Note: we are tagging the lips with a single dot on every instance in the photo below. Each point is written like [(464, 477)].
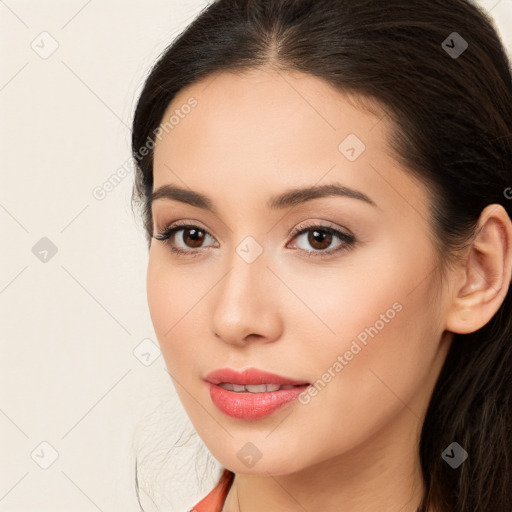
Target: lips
[(252, 394), (251, 376)]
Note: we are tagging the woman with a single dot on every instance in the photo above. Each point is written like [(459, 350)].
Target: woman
[(326, 192)]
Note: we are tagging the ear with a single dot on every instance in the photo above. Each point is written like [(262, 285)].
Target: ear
[(482, 280)]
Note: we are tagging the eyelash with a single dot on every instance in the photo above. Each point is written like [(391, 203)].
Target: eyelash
[(348, 240)]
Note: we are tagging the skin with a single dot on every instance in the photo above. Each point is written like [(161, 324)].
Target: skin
[(353, 447)]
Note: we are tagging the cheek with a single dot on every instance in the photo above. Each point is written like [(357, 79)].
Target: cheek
[(166, 305), (171, 299), (175, 296), (159, 289), (380, 332), (375, 305), (381, 296)]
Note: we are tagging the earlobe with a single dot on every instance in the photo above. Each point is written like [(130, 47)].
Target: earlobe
[(484, 276)]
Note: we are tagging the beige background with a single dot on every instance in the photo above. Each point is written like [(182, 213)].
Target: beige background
[(82, 379)]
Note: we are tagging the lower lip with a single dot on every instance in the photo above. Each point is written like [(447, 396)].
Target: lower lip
[(252, 406)]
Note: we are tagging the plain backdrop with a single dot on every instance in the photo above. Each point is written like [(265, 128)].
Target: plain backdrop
[(83, 386)]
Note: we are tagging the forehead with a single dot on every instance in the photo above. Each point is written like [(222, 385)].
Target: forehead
[(244, 114), (264, 131)]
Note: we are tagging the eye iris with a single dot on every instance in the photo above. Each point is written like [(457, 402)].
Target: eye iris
[(316, 237), (196, 235)]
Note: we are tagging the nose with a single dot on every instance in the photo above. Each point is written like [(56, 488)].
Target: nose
[(245, 307)]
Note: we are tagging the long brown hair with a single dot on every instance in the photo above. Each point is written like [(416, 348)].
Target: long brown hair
[(441, 72)]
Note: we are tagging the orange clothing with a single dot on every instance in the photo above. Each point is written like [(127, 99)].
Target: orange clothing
[(214, 501)]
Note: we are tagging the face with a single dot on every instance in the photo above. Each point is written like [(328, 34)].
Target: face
[(338, 290)]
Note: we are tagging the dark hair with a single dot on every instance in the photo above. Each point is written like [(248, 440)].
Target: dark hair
[(451, 116)]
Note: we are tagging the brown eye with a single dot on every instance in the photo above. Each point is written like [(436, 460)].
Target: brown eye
[(188, 243), (319, 239), (196, 237)]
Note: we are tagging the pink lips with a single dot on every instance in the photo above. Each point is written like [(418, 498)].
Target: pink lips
[(251, 405)]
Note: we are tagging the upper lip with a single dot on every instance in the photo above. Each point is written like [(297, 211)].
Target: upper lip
[(250, 376)]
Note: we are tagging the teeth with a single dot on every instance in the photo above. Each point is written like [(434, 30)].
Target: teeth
[(257, 388), (253, 388)]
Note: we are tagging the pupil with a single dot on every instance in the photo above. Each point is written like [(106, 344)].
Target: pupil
[(319, 237), (196, 237)]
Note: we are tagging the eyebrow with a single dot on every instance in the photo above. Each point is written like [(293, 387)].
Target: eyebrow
[(289, 198)]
